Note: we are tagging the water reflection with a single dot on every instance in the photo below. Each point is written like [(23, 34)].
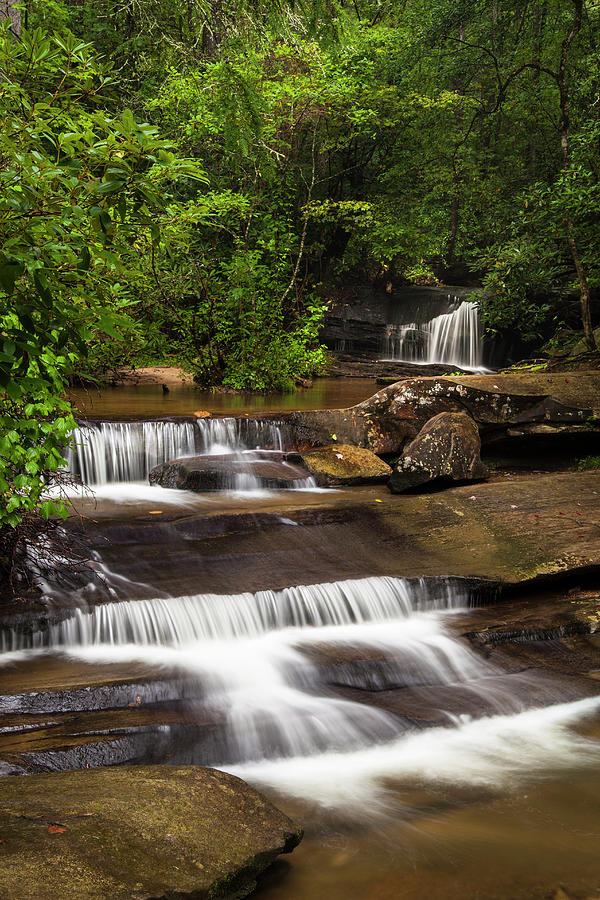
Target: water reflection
[(185, 399)]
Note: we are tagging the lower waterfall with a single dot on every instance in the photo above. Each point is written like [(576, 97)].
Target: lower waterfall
[(282, 676)]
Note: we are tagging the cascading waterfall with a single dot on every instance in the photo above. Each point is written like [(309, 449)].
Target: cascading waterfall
[(104, 453), (453, 338), (109, 452), (266, 664), (177, 620)]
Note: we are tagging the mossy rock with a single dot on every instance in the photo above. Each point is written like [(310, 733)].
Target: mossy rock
[(447, 448), (140, 832), (345, 464)]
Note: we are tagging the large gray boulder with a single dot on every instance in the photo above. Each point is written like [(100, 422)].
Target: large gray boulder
[(448, 447), (227, 471), (142, 832)]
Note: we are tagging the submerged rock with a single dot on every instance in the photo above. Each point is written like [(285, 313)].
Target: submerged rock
[(140, 832), (345, 464), (447, 447), (255, 469)]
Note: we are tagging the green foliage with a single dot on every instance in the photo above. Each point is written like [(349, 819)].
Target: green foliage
[(78, 190), (341, 142), (588, 462), (348, 142)]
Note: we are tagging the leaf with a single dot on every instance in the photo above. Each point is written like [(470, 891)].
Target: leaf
[(83, 263), (57, 829), (9, 272), (105, 221)]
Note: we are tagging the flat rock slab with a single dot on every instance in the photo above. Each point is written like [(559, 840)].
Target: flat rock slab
[(511, 529), (345, 464), (141, 832)]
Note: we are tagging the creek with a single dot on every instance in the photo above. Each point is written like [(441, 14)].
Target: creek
[(420, 765)]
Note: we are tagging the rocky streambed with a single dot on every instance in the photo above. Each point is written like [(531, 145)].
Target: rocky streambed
[(390, 669)]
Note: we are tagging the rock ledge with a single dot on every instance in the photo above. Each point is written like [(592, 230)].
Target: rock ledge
[(142, 832)]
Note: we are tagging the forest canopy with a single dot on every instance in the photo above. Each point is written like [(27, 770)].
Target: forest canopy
[(191, 180)]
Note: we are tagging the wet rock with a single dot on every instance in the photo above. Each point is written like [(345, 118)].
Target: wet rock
[(227, 471), (448, 447), (582, 347), (137, 832), (345, 464), (500, 404)]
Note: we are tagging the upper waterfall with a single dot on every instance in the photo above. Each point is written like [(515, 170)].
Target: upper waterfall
[(453, 338)]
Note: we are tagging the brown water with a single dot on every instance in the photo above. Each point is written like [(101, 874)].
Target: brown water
[(183, 400), (526, 845)]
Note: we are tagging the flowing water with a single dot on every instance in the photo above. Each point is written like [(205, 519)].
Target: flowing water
[(114, 453), (419, 766), (454, 338)]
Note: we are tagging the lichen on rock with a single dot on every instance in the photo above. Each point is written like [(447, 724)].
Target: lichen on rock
[(447, 447)]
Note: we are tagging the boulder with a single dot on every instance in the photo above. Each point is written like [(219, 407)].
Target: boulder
[(142, 832), (447, 447), (345, 464), (582, 347), (391, 418), (267, 469)]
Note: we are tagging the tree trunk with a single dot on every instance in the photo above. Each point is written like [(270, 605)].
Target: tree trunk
[(534, 109), (9, 11), (454, 223), (565, 126)]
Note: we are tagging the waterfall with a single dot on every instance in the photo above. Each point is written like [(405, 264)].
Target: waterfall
[(330, 691), (178, 620), (453, 338), (126, 451), (251, 653), (109, 452)]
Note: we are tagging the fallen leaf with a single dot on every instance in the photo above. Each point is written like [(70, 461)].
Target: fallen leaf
[(155, 512), (57, 829), (378, 501)]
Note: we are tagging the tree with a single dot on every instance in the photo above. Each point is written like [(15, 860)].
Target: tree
[(78, 190), (9, 10)]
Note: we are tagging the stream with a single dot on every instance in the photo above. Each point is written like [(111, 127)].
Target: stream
[(419, 765)]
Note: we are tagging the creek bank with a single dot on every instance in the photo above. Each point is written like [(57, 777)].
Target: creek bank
[(167, 375), (143, 832)]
